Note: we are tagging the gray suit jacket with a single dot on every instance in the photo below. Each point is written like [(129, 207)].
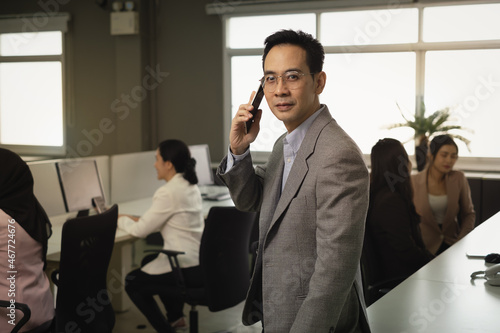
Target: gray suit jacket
[(307, 277)]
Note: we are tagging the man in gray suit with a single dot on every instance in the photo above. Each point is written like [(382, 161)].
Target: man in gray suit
[(312, 196)]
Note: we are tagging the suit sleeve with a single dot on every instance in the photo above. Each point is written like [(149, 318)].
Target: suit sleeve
[(244, 183)]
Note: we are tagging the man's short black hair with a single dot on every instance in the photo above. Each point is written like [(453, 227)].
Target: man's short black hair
[(315, 54)]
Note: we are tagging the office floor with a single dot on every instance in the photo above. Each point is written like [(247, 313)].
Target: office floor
[(226, 321), (209, 322)]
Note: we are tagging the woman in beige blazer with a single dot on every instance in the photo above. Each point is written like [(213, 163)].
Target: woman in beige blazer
[(442, 197)]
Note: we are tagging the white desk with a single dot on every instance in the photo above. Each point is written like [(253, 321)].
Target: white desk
[(121, 259), (441, 297)]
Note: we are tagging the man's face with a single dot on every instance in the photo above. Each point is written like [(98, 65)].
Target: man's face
[(292, 106)]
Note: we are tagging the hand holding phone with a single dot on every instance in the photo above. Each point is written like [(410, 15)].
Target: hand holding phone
[(255, 103)]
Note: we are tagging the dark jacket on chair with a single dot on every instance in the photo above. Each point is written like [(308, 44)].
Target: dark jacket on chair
[(393, 228)]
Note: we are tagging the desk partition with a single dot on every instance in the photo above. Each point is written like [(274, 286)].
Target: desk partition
[(47, 188), (133, 176), (124, 177), (485, 192)]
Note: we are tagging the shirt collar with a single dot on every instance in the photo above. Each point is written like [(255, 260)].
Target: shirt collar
[(295, 138)]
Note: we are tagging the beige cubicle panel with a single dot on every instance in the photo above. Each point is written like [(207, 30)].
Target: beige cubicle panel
[(46, 187), (133, 176), (48, 190)]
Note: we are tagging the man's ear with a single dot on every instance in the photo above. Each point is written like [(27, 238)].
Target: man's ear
[(320, 82)]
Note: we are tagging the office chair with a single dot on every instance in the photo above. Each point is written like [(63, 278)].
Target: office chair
[(83, 303), (19, 306), (374, 286), (224, 263)]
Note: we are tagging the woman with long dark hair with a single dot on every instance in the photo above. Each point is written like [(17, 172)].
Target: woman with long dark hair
[(176, 212), (392, 222), (24, 231), (442, 197)]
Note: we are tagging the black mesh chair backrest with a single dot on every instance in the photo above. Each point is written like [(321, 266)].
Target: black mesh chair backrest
[(83, 303), (224, 257), (375, 283), (370, 265)]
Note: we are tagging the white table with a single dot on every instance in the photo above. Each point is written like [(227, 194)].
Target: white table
[(121, 259), (441, 297)]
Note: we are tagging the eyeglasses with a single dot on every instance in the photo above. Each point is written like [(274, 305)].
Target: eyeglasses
[(292, 79)]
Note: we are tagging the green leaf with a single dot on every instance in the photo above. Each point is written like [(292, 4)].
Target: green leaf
[(437, 122)]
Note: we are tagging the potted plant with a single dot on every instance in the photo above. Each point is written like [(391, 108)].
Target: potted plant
[(425, 127)]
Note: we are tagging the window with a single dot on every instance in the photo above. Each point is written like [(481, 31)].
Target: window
[(356, 94), (379, 60), (250, 32), (461, 23), (468, 81), (32, 84), (369, 27)]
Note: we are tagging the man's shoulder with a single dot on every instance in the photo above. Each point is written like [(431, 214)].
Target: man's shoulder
[(333, 135), (329, 125)]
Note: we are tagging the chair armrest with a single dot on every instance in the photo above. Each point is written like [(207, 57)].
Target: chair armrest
[(387, 285), (25, 309), (254, 247), (167, 252), (174, 264), (374, 292)]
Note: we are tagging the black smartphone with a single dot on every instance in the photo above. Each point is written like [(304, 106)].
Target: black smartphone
[(255, 103)]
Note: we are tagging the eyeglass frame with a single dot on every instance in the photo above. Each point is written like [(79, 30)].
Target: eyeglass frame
[(263, 82)]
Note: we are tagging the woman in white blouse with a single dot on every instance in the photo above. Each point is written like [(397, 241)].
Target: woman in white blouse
[(176, 212)]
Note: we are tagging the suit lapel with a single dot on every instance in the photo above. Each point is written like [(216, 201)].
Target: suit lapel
[(274, 175), (300, 168)]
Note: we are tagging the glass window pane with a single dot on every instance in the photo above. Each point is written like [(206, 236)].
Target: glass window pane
[(245, 75), (31, 103), (468, 82), (461, 23), (362, 92), (31, 43), (251, 31), (368, 27)]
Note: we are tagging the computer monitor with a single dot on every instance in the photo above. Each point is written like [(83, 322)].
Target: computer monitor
[(80, 185), (201, 154)]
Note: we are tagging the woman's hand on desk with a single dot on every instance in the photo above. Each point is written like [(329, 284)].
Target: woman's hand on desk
[(132, 217)]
